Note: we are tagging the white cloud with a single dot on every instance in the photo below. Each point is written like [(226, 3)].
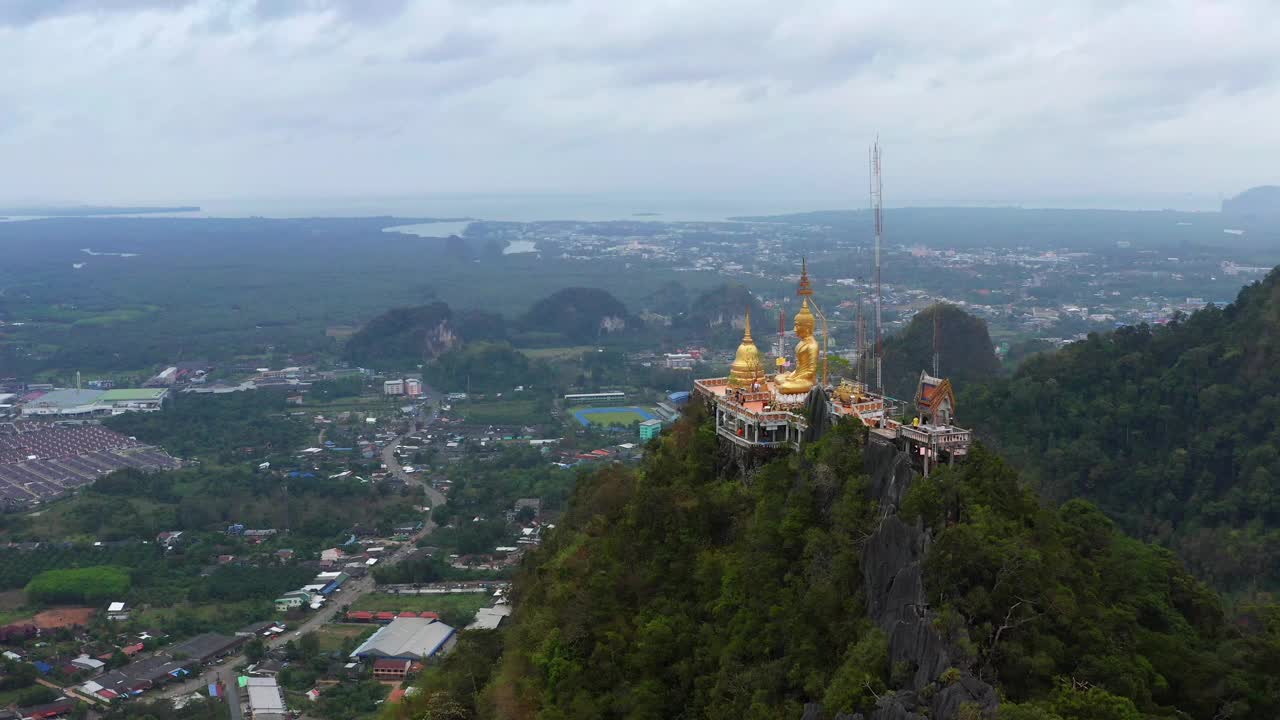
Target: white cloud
[(133, 101)]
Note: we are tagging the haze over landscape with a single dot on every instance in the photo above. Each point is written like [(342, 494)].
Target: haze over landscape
[(572, 359)]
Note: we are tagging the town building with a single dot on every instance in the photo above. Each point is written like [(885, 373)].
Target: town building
[(650, 429), (595, 398), (55, 709), (393, 387), (679, 361), (490, 618), (76, 403), (266, 702), (125, 400), (391, 669), (408, 639), (206, 648), (93, 666), (117, 611), (293, 599), (412, 387)]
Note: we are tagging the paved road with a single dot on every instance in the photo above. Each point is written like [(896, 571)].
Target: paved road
[(348, 594)]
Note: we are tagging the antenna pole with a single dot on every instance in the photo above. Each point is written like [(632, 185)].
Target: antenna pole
[(877, 205), (937, 342), (858, 342)]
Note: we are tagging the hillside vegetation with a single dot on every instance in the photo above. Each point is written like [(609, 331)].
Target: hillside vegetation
[(409, 336), (965, 350), (1172, 430), (579, 315), (671, 592)]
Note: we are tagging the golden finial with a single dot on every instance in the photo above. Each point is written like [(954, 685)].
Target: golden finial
[(805, 288), (746, 337)]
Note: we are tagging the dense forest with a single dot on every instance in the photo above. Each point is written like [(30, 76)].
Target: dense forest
[(227, 428), (130, 503), (1173, 430), (578, 315), (670, 591), (484, 367), (405, 337), (964, 349)]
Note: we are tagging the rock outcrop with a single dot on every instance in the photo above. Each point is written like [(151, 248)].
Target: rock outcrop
[(936, 683), (939, 683)]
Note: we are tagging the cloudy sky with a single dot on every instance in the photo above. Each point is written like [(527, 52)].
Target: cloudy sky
[(123, 101)]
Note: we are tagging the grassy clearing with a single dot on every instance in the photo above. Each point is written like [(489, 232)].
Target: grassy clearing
[(10, 616), (604, 418), (225, 616), (333, 636), (467, 603), (556, 353), (503, 412)]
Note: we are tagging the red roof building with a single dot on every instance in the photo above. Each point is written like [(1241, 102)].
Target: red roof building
[(390, 669)]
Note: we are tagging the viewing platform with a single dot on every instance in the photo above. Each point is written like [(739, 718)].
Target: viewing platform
[(761, 417), (756, 410)]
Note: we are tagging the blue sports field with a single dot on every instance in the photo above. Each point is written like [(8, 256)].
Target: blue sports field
[(610, 415)]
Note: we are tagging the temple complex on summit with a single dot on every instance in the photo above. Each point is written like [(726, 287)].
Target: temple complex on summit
[(757, 413)]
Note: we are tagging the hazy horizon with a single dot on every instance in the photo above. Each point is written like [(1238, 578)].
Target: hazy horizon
[(755, 106), (597, 206)]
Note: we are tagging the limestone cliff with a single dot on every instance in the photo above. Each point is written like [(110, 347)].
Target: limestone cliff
[(934, 683)]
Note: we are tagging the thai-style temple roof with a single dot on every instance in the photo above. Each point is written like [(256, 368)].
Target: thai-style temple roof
[(758, 411)]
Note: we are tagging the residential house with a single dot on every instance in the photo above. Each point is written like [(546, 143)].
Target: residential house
[(293, 599), (117, 611)]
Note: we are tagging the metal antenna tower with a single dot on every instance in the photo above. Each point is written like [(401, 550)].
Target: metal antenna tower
[(937, 342), (877, 206), (861, 344)]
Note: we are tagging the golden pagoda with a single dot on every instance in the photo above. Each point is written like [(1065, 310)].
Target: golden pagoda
[(746, 369)]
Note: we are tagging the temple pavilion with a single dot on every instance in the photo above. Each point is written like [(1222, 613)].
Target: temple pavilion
[(757, 413)]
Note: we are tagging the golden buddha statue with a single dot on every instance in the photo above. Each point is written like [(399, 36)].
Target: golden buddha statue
[(805, 375), (746, 369)]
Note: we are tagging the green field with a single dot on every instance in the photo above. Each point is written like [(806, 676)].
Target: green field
[(224, 616), (610, 418), (467, 603), (503, 412), (9, 616), (334, 635), (556, 353)]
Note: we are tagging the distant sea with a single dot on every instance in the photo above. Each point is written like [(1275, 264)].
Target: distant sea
[(510, 207), (636, 207)]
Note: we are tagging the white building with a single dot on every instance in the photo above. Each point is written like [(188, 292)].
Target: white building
[(408, 639), (490, 618), (393, 387), (117, 611), (679, 361), (412, 387), (266, 702)]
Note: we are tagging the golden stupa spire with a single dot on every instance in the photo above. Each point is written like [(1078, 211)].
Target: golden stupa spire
[(805, 289), (746, 369)]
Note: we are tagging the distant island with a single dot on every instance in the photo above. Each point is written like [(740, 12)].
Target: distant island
[(87, 210), (645, 214), (1261, 200)]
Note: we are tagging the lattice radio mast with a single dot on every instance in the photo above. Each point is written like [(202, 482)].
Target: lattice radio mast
[(877, 206), (937, 342)]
